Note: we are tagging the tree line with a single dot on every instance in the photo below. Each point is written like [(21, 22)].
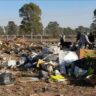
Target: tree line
[(31, 24)]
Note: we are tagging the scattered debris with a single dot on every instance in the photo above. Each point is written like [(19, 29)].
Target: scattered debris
[(43, 63), (6, 78)]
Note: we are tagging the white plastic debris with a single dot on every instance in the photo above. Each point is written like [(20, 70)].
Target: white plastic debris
[(65, 58), (34, 54), (57, 72), (55, 49), (50, 68), (22, 60), (53, 63), (11, 63)]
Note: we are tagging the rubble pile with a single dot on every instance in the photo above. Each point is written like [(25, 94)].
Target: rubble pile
[(24, 61)]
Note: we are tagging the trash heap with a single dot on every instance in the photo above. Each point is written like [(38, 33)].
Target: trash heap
[(43, 62)]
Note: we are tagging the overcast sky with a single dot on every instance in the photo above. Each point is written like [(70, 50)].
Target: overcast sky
[(70, 13)]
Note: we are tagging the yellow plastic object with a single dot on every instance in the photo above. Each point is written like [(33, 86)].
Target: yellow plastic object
[(57, 77), (40, 62)]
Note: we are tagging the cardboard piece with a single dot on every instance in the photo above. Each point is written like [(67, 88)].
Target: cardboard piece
[(87, 53)]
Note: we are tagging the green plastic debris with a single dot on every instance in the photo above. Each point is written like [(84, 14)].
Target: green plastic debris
[(90, 71)]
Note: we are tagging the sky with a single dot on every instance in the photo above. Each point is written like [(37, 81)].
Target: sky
[(68, 13)]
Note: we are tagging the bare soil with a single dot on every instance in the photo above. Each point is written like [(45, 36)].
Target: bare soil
[(41, 88)]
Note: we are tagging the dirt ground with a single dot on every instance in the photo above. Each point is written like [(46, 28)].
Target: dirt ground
[(40, 88)]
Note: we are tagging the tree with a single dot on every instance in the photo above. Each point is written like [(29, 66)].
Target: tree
[(82, 29), (1, 30), (93, 25), (52, 29), (95, 12), (94, 21), (31, 14), (11, 28), (68, 31)]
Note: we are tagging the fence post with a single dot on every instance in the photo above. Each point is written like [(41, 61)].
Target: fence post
[(31, 35), (41, 38), (23, 36), (7, 37)]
